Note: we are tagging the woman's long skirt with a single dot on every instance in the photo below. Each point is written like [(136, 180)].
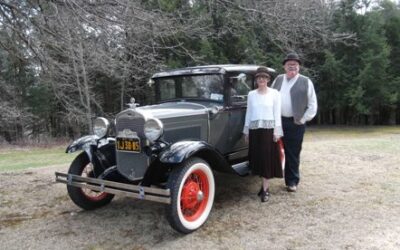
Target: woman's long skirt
[(264, 154)]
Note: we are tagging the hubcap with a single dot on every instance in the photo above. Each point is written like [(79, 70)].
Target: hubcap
[(200, 196), (189, 194)]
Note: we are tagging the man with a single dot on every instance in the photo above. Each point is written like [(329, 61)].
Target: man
[(299, 105)]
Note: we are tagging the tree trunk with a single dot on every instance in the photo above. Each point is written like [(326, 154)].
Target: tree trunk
[(86, 88), (338, 116), (392, 116)]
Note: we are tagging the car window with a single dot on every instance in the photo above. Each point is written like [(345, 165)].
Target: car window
[(240, 85), (195, 86), (168, 89)]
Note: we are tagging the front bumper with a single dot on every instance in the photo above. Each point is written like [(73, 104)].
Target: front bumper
[(135, 191)]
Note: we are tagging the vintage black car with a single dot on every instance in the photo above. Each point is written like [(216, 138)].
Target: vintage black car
[(167, 152)]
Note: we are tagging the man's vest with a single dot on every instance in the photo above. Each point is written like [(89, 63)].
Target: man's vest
[(298, 93)]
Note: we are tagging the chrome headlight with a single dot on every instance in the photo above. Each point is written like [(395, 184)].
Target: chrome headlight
[(153, 129), (101, 126)]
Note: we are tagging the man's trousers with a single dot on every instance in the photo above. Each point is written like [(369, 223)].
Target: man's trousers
[(292, 139)]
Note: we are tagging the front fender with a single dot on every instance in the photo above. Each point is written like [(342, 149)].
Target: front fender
[(85, 142), (182, 150), (82, 143), (101, 152)]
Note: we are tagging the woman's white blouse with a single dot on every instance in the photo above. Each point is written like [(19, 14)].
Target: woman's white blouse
[(264, 111)]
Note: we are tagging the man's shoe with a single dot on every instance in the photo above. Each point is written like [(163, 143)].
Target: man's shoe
[(264, 196), (291, 188)]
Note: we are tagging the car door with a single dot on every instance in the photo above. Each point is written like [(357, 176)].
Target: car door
[(240, 84)]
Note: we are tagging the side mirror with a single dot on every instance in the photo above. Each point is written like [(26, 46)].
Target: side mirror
[(241, 76)]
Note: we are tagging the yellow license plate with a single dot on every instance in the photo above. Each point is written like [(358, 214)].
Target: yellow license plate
[(128, 144)]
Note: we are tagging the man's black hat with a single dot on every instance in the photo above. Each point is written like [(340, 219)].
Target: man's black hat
[(292, 56)]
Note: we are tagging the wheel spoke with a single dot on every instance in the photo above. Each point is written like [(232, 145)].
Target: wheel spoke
[(90, 194), (194, 195)]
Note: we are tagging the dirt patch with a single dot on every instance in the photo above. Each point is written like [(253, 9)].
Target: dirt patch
[(349, 198)]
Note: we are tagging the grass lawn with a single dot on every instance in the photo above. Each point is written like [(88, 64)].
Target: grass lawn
[(336, 132), (18, 158), (372, 138), (31, 157)]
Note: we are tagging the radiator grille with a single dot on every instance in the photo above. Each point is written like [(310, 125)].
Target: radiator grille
[(135, 124), (132, 165)]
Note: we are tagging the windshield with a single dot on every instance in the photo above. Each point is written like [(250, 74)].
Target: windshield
[(195, 86)]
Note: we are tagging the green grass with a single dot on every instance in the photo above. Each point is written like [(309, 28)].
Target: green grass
[(23, 158)]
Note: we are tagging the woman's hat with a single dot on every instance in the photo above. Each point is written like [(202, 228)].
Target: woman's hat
[(292, 56), (263, 71)]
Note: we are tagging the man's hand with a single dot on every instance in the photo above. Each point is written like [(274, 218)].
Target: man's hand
[(302, 121), (298, 122)]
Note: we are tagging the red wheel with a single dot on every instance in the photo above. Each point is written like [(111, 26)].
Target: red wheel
[(192, 195), (90, 194), (84, 197)]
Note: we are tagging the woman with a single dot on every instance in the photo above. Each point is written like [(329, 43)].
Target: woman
[(262, 129)]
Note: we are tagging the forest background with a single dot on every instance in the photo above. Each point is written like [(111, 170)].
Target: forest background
[(64, 62)]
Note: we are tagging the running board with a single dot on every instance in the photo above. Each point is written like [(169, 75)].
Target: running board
[(112, 187), (242, 168)]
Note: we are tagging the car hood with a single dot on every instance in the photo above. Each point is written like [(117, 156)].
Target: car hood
[(174, 109)]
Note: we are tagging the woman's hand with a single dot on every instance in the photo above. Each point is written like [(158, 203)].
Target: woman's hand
[(246, 138)]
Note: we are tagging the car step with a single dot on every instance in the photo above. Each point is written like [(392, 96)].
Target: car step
[(242, 168), (111, 187)]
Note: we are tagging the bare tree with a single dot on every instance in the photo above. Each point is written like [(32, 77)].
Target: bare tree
[(303, 26), (72, 44)]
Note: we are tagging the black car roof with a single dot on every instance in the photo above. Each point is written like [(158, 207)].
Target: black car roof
[(209, 69)]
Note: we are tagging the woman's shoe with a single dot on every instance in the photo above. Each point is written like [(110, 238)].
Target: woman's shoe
[(260, 192), (264, 196)]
